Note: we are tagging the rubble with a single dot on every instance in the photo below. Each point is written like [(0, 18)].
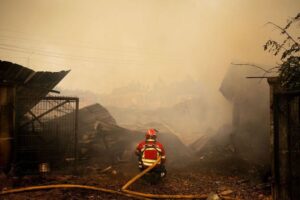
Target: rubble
[(177, 182), (101, 140), (106, 169), (213, 196), (226, 192)]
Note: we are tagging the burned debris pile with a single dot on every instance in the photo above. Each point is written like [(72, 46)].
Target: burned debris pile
[(102, 141)]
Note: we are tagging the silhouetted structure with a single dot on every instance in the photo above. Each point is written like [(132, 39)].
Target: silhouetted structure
[(249, 98)]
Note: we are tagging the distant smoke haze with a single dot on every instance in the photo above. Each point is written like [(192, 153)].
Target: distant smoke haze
[(187, 108), (117, 46), (108, 44)]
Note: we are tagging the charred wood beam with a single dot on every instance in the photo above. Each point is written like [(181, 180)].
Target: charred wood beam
[(60, 98)]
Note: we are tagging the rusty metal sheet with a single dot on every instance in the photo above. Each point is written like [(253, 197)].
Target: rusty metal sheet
[(29, 83)]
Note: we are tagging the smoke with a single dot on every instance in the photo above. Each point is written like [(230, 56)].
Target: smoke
[(109, 45)]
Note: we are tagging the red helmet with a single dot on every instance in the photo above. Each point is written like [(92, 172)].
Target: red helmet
[(151, 134)]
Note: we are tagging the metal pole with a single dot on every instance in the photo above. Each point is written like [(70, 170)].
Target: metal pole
[(76, 135)]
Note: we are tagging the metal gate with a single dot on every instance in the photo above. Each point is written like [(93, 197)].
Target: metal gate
[(285, 142), (46, 133)]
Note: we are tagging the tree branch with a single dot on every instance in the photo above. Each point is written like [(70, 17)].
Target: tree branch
[(283, 31), (251, 65)]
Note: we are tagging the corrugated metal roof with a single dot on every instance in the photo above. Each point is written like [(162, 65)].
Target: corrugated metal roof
[(90, 115), (29, 83)]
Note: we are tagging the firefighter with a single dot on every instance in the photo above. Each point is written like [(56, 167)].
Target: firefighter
[(148, 152)]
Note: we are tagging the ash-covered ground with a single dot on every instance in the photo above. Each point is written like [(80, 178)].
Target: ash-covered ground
[(231, 179)]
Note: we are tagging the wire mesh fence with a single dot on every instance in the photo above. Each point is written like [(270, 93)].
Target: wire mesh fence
[(46, 133)]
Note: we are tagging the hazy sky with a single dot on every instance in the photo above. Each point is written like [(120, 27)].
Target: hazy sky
[(109, 43)]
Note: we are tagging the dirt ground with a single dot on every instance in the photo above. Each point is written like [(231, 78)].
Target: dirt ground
[(188, 180)]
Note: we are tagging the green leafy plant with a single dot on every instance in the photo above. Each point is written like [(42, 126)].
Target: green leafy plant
[(288, 50)]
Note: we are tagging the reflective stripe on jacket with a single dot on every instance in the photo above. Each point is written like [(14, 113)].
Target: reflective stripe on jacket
[(150, 151)]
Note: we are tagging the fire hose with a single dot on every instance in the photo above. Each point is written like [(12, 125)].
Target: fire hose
[(66, 186), (157, 196), (124, 191)]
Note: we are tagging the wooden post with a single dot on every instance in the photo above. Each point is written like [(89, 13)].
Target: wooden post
[(7, 123), (285, 142)]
